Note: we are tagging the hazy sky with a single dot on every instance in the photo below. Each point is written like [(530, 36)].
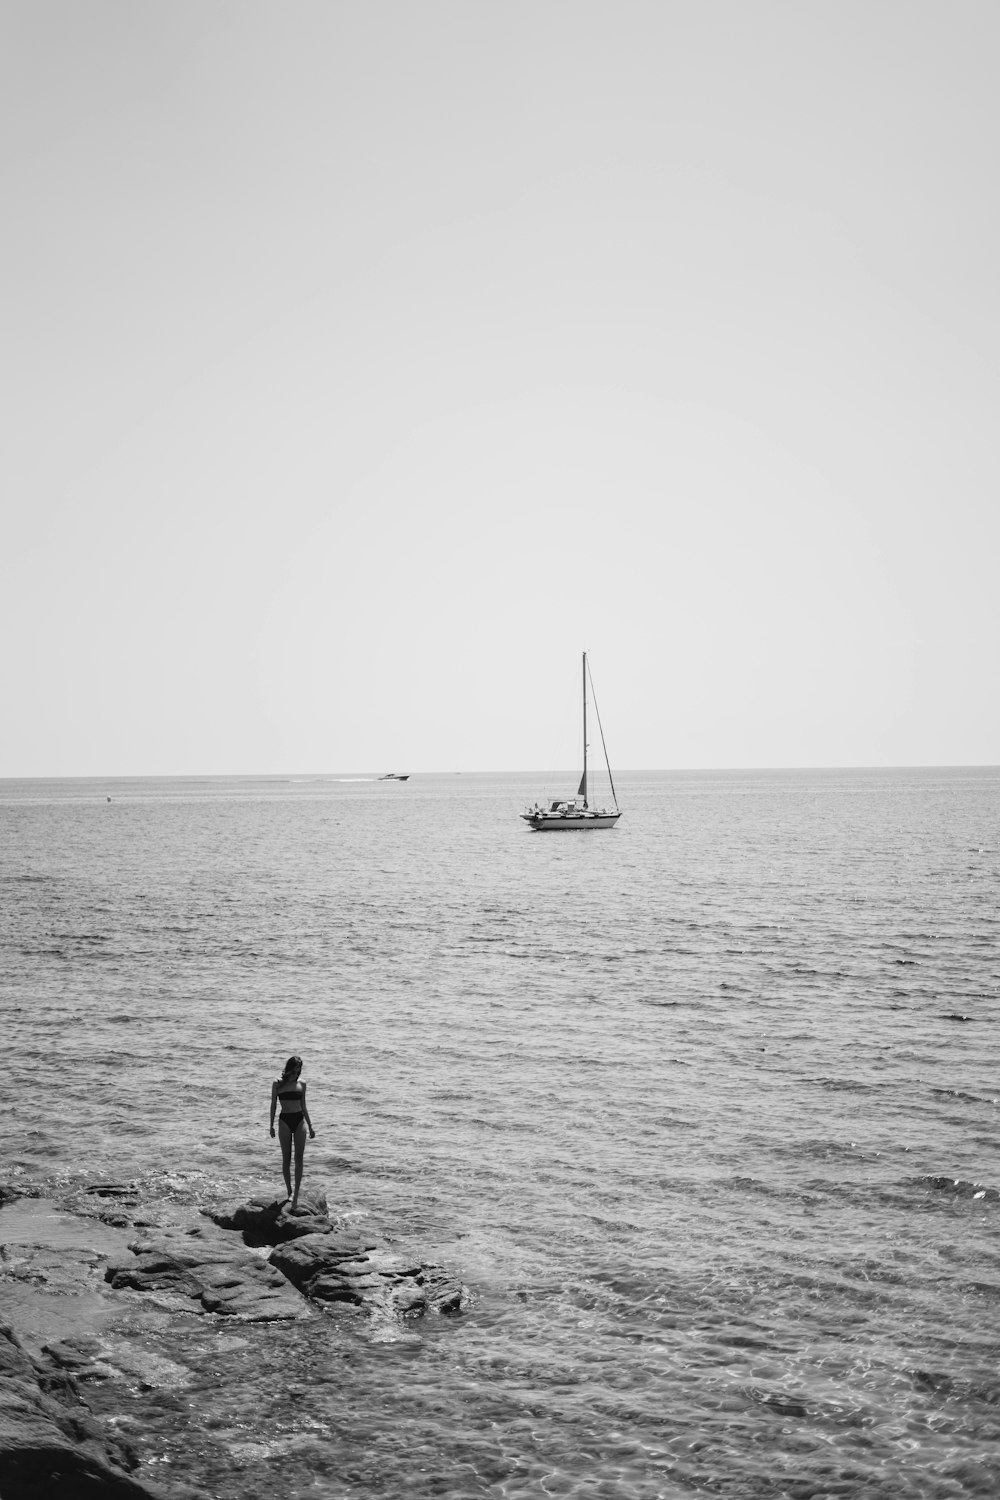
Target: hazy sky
[(364, 363)]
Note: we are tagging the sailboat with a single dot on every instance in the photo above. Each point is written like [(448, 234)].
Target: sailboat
[(576, 812)]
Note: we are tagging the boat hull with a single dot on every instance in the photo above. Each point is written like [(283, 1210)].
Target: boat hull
[(569, 822)]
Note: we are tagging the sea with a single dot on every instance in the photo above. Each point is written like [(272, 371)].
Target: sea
[(702, 1111)]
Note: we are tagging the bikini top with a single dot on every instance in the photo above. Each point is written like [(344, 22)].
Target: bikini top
[(295, 1093)]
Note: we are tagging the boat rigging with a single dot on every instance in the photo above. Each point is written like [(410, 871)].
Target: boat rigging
[(567, 814)]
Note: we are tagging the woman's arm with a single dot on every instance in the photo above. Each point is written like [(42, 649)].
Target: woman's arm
[(274, 1103), (305, 1114)]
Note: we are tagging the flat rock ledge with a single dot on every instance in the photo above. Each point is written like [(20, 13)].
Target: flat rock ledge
[(205, 1272), (50, 1443)]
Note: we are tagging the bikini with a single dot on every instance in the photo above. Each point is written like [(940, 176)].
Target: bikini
[(292, 1118)]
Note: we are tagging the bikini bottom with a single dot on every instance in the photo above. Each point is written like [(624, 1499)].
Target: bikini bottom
[(293, 1121)]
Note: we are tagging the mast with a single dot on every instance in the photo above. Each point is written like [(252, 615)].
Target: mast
[(607, 758), (583, 783)]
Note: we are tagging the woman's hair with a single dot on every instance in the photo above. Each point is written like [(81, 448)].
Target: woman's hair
[(293, 1065)]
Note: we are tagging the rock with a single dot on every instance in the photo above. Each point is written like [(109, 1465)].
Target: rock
[(208, 1270), (272, 1221), (339, 1267), (442, 1291), (60, 1271), (92, 1360), (194, 1392), (961, 1187), (330, 1263), (50, 1444), (304, 1258)]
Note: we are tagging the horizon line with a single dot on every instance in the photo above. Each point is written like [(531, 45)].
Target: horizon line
[(287, 775)]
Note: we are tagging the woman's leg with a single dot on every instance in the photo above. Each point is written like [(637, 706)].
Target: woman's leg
[(300, 1151), (285, 1137)]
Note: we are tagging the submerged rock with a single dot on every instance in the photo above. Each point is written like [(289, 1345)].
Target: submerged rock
[(50, 1443), (125, 1190), (961, 1187), (118, 1204), (92, 1360)]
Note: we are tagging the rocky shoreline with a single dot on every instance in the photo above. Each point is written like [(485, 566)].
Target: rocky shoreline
[(146, 1306)]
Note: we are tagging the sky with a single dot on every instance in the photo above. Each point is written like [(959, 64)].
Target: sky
[(364, 363)]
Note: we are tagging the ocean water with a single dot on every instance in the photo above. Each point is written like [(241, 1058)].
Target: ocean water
[(703, 1110)]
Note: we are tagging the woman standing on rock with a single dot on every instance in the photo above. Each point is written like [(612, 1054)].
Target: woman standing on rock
[(290, 1091)]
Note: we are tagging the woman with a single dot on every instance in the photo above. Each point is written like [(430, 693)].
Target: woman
[(291, 1092)]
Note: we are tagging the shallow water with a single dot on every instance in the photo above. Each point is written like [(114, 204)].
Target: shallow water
[(703, 1109)]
